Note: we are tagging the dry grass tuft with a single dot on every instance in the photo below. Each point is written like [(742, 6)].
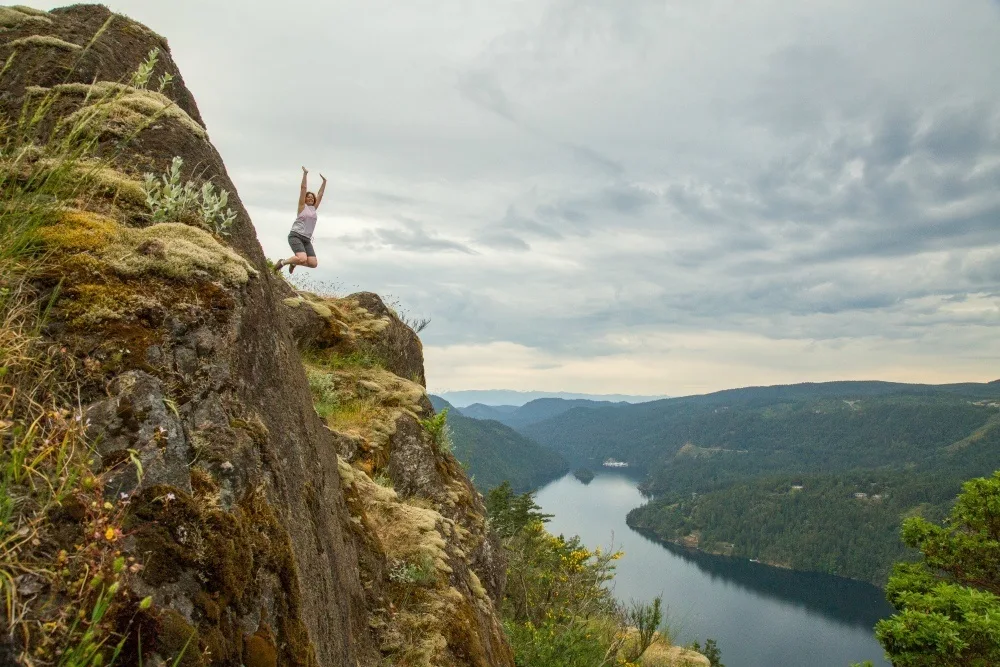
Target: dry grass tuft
[(353, 416), (111, 182), (12, 16), (31, 11), (123, 110), (47, 41), (85, 175), (661, 653)]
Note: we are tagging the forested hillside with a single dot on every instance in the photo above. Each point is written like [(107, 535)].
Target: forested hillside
[(844, 523), (813, 477), (789, 420), (493, 453)]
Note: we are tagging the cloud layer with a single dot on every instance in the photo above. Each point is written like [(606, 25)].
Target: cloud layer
[(637, 197)]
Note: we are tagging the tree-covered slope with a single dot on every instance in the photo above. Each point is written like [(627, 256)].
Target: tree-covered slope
[(493, 452), (845, 522), (724, 467), (818, 426)]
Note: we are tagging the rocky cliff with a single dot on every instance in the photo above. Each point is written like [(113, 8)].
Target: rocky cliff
[(263, 481)]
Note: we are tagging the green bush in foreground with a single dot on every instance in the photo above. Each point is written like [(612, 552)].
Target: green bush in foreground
[(949, 609), (556, 609)]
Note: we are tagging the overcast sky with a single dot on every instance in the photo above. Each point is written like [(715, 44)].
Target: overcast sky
[(635, 196)]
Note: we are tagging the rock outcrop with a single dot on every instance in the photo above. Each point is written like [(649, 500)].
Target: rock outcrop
[(268, 534)]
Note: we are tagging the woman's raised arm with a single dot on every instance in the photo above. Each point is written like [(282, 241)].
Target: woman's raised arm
[(302, 190), (322, 189)]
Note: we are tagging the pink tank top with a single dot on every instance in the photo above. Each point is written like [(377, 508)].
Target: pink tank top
[(305, 224)]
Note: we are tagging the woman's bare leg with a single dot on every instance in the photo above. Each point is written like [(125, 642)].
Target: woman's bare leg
[(299, 259)]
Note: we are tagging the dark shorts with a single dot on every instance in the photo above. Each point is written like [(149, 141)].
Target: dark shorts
[(301, 244)]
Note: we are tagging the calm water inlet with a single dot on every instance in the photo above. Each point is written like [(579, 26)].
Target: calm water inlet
[(760, 616)]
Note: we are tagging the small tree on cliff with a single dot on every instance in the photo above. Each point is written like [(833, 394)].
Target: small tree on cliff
[(949, 603)]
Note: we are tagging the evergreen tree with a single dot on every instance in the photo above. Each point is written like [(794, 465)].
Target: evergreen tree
[(949, 603)]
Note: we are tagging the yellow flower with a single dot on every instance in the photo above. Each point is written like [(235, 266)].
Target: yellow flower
[(110, 534)]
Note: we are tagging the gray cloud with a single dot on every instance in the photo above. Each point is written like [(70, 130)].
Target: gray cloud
[(812, 188), (409, 237), (504, 240)]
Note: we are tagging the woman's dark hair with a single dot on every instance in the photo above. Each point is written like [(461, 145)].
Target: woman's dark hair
[(311, 193)]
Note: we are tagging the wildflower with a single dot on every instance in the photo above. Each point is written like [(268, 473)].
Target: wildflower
[(112, 534)]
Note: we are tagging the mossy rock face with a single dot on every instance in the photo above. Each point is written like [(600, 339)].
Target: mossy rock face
[(359, 324), (397, 344), (260, 650), (177, 641), (235, 554)]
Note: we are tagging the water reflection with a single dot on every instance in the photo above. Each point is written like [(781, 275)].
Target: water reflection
[(844, 600), (761, 616)]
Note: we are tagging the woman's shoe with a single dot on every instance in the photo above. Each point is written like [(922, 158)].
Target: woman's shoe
[(278, 265)]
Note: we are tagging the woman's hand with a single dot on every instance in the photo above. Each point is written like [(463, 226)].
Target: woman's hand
[(323, 177), (304, 170)]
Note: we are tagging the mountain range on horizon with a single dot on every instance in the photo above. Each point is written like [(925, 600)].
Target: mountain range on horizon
[(513, 398)]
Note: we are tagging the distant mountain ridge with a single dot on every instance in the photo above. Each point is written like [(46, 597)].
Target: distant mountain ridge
[(481, 411), (511, 397), (493, 452), (535, 411)]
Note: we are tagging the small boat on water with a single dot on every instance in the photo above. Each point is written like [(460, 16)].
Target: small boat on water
[(611, 463)]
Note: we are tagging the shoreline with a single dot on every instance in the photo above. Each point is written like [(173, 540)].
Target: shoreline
[(680, 543)]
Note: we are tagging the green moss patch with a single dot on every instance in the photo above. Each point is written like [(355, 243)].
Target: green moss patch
[(169, 250)]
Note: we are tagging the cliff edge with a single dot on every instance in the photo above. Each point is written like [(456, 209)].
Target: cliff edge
[(257, 470)]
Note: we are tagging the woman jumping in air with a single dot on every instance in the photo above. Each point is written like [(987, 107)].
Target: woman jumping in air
[(300, 238)]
